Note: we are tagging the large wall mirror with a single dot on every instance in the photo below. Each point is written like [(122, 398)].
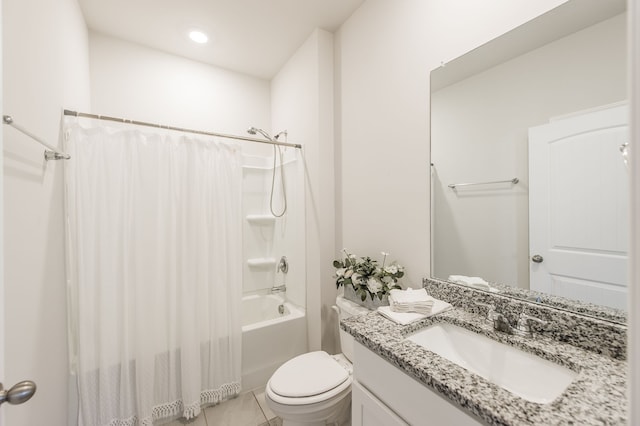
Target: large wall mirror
[(529, 183)]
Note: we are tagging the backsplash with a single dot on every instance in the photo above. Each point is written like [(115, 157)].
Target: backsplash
[(593, 334)]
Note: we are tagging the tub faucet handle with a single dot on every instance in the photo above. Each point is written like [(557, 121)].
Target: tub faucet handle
[(283, 265)]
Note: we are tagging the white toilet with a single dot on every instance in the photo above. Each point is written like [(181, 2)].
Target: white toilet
[(314, 389)]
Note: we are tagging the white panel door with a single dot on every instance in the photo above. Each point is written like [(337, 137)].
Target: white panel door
[(578, 207)]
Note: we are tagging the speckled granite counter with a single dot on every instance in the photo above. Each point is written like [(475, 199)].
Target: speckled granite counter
[(596, 397)]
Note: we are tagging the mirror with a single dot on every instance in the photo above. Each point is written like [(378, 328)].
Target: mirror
[(525, 196)]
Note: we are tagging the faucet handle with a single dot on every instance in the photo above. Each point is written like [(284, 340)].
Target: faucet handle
[(523, 326), (491, 311)]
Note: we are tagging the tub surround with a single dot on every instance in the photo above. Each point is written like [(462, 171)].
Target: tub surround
[(598, 335), (597, 396)]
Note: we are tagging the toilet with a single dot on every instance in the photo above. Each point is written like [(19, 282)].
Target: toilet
[(314, 389)]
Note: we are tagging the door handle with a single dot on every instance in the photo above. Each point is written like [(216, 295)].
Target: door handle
[(19, 393), (537, 258)]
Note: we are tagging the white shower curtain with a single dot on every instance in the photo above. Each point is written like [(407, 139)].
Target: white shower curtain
[(154, 272)]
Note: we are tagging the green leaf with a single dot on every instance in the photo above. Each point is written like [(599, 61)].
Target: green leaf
[(400, 274), (363, 297), (337, 264)]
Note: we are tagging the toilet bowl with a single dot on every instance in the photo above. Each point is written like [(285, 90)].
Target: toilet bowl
[(314, 389)]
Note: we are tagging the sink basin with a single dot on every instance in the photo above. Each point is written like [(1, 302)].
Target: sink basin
[(524, 374)]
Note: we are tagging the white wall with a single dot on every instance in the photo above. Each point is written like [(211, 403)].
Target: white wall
[(2, 310), (302, 102), (45, 69), (386, 51), (634, 205), (135, 82), (479, 130)]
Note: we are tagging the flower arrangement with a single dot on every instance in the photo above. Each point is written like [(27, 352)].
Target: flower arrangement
[(366, 277)]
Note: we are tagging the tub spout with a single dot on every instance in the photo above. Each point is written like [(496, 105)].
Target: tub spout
[(278, 289)]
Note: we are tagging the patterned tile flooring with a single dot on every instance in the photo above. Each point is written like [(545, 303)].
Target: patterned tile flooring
[(248, 409)]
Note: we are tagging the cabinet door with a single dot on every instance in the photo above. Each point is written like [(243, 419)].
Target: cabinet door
[(367, 410)]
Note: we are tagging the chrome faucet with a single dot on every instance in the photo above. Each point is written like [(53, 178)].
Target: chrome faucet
[(278, 289), (283, 266), (502, 324), (491, 311)]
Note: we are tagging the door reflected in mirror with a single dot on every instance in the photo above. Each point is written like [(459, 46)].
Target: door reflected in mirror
[(535, 120)]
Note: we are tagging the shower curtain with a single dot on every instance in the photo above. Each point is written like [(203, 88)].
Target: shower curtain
[(154, 272)]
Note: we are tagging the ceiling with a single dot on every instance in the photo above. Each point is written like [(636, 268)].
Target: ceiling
[(254, 37)]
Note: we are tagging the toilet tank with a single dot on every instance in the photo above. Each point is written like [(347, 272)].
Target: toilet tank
[(347, 309)]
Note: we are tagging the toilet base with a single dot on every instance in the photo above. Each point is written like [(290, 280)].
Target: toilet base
[(334, 412), (341, 418)]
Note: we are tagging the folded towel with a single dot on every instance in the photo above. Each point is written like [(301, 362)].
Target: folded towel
[(410, 295), (411, 300), (476, 282), (404, 318)]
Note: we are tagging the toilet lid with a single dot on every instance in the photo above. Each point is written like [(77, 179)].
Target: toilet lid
[(308, 374)]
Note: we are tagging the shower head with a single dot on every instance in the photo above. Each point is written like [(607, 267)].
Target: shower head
[(284, 132), (255, 131)]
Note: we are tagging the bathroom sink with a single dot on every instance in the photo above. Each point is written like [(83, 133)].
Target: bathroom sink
[(524, 374)]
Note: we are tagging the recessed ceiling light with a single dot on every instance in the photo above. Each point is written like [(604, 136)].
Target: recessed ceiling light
[(198, 37)]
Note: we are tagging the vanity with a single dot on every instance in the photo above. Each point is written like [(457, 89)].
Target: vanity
[(398, 381), (540, 215)]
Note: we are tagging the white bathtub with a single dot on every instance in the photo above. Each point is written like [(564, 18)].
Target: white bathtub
[(268, 337)]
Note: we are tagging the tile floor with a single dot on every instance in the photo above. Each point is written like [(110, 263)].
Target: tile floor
[(247, 409)]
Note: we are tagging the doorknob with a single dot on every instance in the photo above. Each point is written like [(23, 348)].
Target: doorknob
[(537, 258), (19, 393)]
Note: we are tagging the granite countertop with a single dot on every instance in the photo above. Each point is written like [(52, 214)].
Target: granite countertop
[(598, 395)]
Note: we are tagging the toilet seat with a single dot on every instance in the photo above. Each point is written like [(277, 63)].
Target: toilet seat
[(308, 379)]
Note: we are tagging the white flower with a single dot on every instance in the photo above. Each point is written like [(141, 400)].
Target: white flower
[(391, 269), (355, 277), (340, 272), (348, 273), (374, 285)]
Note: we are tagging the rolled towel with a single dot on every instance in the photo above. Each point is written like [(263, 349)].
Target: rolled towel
[(411, 300), (404, 318)]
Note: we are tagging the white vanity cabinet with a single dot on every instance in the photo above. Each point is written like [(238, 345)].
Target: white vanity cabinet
[(368, 410), (383, 395)]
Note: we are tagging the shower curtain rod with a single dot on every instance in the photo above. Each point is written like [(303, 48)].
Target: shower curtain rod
[(179, 129), (51, 153)]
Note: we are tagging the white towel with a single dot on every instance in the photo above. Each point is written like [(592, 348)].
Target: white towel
[(410, 295), (476, 282), (404, 318), (411, 300)]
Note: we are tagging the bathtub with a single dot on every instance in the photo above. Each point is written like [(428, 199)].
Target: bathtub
[(269, 338)]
